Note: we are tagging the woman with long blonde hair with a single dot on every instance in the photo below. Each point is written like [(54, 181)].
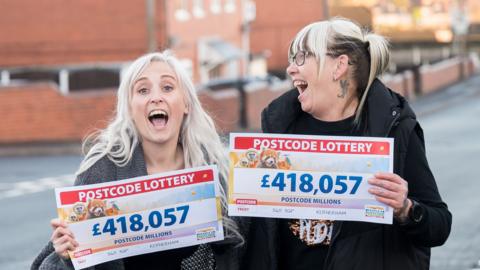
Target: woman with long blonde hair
[(159, 126)]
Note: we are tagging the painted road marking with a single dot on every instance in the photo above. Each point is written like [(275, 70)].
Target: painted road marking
[(10, 190)]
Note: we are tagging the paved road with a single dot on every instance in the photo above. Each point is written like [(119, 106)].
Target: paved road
[(28, 203), (452, 128), (453, 149)]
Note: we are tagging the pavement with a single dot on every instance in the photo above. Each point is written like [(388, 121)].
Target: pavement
[(447, 97), (450, 119)]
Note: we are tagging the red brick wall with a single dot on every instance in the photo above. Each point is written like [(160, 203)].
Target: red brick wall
[(57, 31), (409, 84), (186, 34), (258, 99), (395, 83), (402, 83), (223, 107), (50, 32), (439, 75), (276, 24), (39, 113)]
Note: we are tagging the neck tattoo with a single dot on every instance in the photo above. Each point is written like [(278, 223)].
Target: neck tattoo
[(344, 87)]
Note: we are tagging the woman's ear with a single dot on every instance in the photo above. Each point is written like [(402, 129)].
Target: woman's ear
[(341, 67), (186, 109)]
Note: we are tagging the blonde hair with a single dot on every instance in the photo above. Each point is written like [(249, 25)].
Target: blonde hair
[(368, 52), (201, 143)]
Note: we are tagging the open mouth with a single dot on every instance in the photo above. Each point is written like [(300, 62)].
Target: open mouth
[(300, 85), (158, 118)]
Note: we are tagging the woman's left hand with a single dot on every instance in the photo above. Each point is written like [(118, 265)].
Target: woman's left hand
[(391, 189)]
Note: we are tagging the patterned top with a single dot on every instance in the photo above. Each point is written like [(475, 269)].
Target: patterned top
[(312, 231)]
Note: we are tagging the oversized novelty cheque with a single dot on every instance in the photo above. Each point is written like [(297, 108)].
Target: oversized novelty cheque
[(145, 214), (307, 177)]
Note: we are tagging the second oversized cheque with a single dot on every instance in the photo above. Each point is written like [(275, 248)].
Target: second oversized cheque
[(145, 214)]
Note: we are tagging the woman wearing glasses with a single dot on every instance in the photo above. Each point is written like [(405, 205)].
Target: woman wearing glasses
[(334, 66)]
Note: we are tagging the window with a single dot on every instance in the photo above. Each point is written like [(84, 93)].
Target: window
[(215, 6), (215, 72), (230, 6), (30, 75), (198, 10), (181, 12), (5, 78), (188, 65), (93, 79)]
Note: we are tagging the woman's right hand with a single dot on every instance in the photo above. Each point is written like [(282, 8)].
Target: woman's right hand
[(62, 238)]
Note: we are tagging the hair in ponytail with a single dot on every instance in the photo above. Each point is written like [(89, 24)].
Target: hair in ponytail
[(379, 53), (368, 53)]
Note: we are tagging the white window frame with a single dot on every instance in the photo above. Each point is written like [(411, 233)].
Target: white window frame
[(216, 6), (198, 10), (230, 6), (182, 14)]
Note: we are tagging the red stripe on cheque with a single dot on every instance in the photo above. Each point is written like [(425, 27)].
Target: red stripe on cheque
[(246, 201), (82, 253), (137, 187), (314, 146)]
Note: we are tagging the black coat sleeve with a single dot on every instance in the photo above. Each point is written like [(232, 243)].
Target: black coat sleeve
[(47, 258), (434, 228)]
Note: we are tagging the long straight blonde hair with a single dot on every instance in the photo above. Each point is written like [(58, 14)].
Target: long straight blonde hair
[(201, 143)]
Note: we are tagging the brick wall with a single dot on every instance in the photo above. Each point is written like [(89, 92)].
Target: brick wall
[(58, 32), (443, 74), (402, 83), (276, 24), (186, 34), (223, 107), (439, 75), (39, 113), (258, 98)]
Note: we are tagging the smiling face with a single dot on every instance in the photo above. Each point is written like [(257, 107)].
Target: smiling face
[(158, 104), (317, 91)]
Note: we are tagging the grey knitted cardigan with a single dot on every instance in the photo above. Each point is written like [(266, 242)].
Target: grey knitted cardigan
[(219, 255)]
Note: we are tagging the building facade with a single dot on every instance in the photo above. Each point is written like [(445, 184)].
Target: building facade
[(275, 25), (40, 39)]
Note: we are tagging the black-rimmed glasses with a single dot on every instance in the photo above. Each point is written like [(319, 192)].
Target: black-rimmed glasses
[(299, 58)]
